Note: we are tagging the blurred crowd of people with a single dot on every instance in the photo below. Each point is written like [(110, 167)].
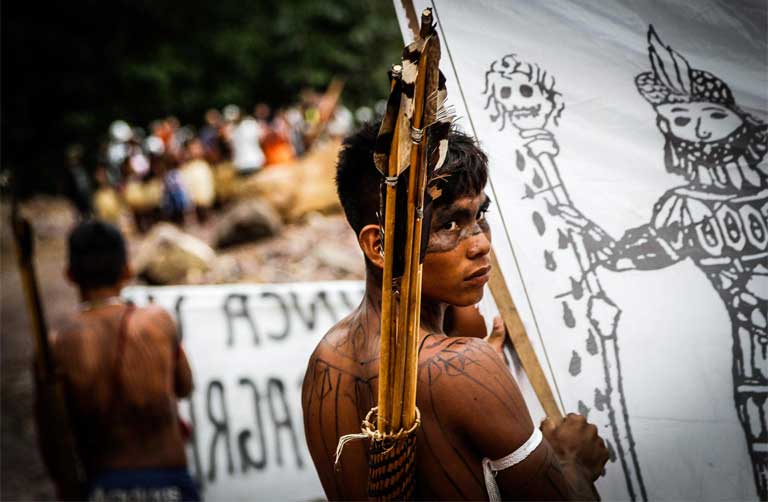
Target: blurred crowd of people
[(178, 173)]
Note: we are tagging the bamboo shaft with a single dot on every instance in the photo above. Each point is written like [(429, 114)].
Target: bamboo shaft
[(405, 312), (408, 318), (412, 317), (400, 316), (412, 357), (388, 305)]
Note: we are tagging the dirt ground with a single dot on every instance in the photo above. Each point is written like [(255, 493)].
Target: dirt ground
[(320, 248)]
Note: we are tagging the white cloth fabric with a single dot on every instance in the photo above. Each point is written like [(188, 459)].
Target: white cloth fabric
[(247, 153), (491, 467)]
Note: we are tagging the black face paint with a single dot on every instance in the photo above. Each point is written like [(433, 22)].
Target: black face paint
[(452, 224)]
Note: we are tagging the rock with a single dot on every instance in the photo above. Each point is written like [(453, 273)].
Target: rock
[(298, 188), (249, 220), (317, 182), (169, 256), (226, 270), (338, 258), (276, 185)]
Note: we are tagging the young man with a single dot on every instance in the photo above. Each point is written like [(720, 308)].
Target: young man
[(123, 370), (470, 405)]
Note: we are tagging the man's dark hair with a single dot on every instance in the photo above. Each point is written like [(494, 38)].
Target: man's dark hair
[(463, 174), (97, 254)]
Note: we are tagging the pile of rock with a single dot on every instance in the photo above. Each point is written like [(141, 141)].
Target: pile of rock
[(298, 192), (248, 220), (169, 256)]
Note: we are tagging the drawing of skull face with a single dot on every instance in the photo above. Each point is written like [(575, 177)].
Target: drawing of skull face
[(521, 94), (526, 106), (698, 121)]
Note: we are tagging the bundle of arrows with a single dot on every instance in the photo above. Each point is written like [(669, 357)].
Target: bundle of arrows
[(410, 148)]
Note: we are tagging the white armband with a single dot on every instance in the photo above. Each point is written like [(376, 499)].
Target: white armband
[(491, 467)]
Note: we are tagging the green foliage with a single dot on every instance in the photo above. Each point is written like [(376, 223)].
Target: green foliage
[(71, 68)]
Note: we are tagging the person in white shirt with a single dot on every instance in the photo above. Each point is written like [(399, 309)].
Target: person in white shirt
[(247, 155)]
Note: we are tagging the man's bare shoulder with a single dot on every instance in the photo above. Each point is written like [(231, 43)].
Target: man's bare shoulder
[(69, 333), (67, 327), (333, 360), (451, 367), (460, 355), (73, 344), (154, 321), (348, 351), (82, 328), (337, 345), (156, 315)]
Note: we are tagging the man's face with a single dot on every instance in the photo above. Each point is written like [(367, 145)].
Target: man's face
[(456, 265), (698, 121)]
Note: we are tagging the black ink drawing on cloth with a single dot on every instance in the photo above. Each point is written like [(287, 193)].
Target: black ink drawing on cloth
[(718, 218), (523, 95)]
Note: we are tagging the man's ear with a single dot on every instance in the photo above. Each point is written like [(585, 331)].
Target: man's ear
[(369, 239)]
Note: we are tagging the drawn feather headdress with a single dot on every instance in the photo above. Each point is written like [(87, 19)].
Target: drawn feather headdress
[(672, 80)]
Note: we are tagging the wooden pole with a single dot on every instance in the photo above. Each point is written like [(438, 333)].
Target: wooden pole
[(410, 14), (521, 342), (25, 253), (51, 406)]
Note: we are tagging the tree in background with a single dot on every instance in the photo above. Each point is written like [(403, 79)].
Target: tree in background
[(70, 68)]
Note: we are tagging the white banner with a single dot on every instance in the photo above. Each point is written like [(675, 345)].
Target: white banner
[(248, 346), (627, 147)]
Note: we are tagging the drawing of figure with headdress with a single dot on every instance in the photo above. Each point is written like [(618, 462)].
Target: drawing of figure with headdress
[(718, 219)]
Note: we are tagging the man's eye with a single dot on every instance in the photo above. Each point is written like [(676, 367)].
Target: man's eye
[(451, 225), (718, 115), (481, 214), (681, 121)]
